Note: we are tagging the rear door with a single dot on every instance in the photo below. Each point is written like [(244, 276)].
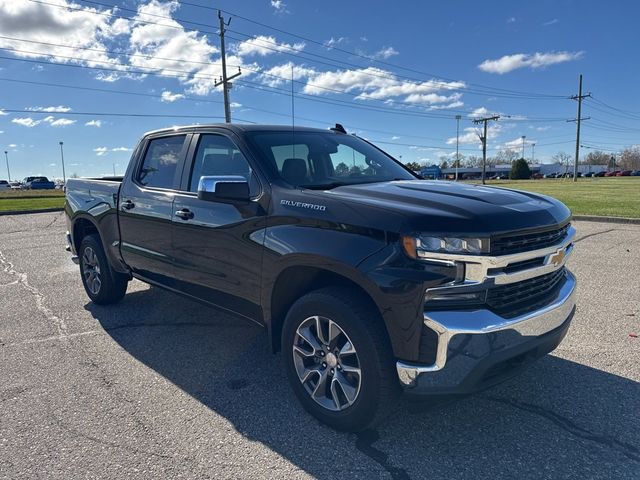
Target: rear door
[(146, 207), (218, 246)]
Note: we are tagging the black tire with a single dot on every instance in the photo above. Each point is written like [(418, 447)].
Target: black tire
[(111, 286), (361, 325)]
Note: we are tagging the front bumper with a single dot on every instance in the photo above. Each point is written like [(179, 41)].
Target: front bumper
[(479, 348)]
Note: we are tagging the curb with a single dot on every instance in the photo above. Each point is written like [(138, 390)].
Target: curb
[(594, 218), (24, 212)]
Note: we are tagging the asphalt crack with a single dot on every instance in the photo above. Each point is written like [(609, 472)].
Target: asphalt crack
[(594, 234), (626, 449), (23, 280)]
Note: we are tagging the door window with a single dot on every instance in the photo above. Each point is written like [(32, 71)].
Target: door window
[(160, 162), (218, 156)]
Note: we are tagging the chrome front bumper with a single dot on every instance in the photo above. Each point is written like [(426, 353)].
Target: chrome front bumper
[(465, 338)]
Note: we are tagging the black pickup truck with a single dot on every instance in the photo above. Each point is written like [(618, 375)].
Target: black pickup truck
[(370, 280)]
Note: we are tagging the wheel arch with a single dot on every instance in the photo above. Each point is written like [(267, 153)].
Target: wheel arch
[(295, 281)]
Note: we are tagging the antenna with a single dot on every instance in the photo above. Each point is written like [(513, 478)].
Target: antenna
[(293, 117)]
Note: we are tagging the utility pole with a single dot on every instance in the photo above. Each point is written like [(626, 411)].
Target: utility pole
[(6, 157), (523, 137), (64, 175), (578, 97), (533, 152), (483, 138), (224, 80), (458, 117)]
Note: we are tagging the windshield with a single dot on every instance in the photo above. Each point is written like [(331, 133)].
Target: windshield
[(326, 159)]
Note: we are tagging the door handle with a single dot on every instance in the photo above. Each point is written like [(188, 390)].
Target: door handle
[(184, 214), (128, 205)]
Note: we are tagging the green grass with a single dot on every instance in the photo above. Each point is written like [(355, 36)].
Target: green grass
[(25, 200), (615, 197)]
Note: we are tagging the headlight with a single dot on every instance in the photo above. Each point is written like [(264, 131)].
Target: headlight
[(421, 246)]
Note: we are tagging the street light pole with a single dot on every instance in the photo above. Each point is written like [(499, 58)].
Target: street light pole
[(523, 137), (6, 156), (533, 152), (64, 175), (458, 117)]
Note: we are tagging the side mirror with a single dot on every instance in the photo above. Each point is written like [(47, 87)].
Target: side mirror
[(224, 188)]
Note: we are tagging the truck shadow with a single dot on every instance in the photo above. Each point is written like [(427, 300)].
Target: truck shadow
[(559, 419)]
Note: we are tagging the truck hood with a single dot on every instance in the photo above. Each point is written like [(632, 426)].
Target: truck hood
[(439, 206)]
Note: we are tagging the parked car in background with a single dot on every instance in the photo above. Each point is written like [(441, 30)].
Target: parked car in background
[(589, 174), (624, 173), (600, 174), (38, 183), (635, 173), (4, 185), (612, 174), (59, 184), (537, 176), (15, 185)]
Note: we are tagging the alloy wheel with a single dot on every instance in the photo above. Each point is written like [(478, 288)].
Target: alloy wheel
[(91, 270), (327, 363)]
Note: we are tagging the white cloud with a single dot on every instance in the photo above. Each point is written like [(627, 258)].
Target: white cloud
[(431, 98), (61, 122), (395, 137), (511, 20), (264, 45), (536, 60), (334, 42), (59, 108), (52, 164), (543, 128), (12, 145), (3, 113), (120, 149), (101, 151), (235, 105), (479, 112), (515, 144), (25, 121), (550, 22), (279, 74), (279, 6), (385, 53), (93, 123), (470, 135), (170, 97), (48, 23)]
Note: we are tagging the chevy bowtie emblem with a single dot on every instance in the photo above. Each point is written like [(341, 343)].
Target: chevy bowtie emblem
[(556, 258)]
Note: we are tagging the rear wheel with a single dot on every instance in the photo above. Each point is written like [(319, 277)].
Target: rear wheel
[(338, 358), (102, 284)]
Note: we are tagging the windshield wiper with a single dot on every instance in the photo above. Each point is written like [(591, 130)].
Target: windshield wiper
[(324, 186)]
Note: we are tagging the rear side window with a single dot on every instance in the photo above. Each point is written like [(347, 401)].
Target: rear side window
[(160, 162)]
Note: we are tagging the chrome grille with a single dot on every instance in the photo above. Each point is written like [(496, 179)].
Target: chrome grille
[(508, 244), (516, 298)]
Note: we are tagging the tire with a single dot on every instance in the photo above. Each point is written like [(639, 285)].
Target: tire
[(102, 284), (324, 377)]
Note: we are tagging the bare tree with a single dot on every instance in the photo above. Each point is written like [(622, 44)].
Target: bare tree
[(507, 156), (564, 159), (630, 158), (597, 158)]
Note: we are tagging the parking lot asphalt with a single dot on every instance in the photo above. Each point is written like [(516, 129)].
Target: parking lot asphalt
[(159, 386)]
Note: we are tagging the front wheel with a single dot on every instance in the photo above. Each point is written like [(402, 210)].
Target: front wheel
[(102, 284), (338, 358)]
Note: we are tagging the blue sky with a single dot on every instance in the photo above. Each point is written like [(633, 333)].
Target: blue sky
[(394, 73)]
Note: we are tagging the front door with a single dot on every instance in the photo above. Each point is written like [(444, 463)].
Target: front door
[(217, 255)]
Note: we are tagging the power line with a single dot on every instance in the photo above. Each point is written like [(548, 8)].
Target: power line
[(114, 114), (489, 90)]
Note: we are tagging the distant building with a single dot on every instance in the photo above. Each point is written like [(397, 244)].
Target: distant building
[(470, 173)]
